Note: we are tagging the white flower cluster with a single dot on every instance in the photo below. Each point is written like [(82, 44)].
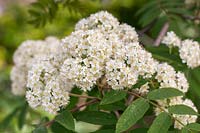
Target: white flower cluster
[(45, 86), (189, 50), (24, 57), (99, 48), (168, 77)]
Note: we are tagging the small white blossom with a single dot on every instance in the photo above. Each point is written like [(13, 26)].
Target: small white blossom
[(189, 50), (190, 53), (144, 89), (102, 20), (168, 77), (171, 40)]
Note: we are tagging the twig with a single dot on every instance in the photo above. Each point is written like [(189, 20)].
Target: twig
[(83, 96), (85, 104), (49, 123), (191, 17), (161, 34), (129, 100), (117, 114)]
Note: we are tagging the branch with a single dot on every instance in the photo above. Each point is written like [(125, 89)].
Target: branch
[(85, 104), (161, 34), (83, 96), (49, 123), (191, 17)]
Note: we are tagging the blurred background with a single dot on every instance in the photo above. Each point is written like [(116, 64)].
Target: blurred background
[(19, 21)]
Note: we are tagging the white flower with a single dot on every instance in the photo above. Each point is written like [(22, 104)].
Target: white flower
[(102, 20), (26, 55), (171, 40), (144, 89), (45, 86), (190, 53), (167, 77), (189, 50)]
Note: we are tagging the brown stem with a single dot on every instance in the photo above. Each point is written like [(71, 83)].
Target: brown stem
[(191, 17), (161, 34), (83, 96), (49, 123), (117, 114), (129, 100), (85, 104)]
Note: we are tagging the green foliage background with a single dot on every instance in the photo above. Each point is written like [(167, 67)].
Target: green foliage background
[(20, 22)]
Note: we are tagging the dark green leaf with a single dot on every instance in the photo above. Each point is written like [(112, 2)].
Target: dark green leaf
[(162, 54), (114, 106), (40, 129), (182, 110), (105, 131), (194, 80), (139, 130), (161, 123), (140, 82), (96, 117), (66, 120), (163, 93), (132, 114), (22, 116), (113, 96), (57, 128)]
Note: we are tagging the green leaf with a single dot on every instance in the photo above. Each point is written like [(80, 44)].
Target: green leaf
[(141, 81), (192, 126), (182, 110), (40, 129), (163, 93), (132, 114), (161, 123), (162, 54), (194, 81), (97, 117), (113, 96), (114, 106), (22, 116), (66, 120), (57, 128), (105, 131), (139, 130)]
